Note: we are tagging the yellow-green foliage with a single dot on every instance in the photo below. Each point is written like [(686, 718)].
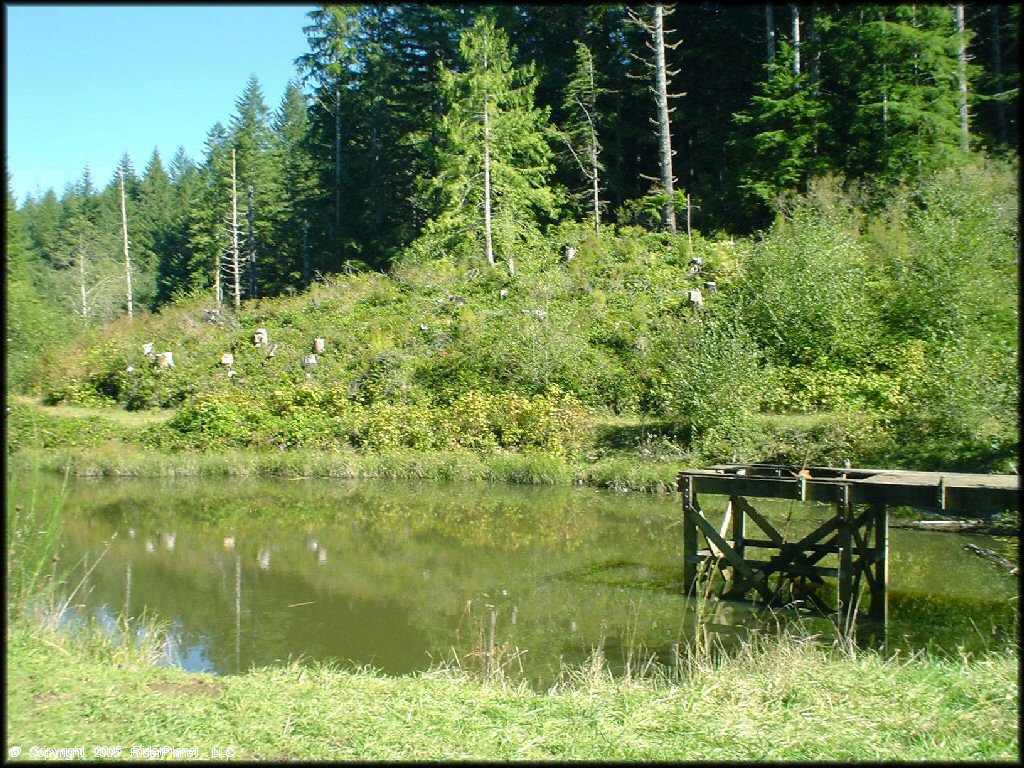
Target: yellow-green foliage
[(314, 417)]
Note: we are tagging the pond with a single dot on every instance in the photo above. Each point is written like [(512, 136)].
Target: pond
[(400, 576)]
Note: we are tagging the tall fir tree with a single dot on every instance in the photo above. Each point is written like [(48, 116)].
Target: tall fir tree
[(210, 214), (893, 95), (259, 183), (492, 189), (292, 266), (178, 273), (782, 133), (583, 128)]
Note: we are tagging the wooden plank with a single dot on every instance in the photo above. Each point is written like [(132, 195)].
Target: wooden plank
[(844, 510), (826, 549), (725, 526), (879, 609), (738, 529), (799, 569), (973, 494)]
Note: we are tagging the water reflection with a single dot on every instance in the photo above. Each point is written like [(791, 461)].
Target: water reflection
[(401, 575)]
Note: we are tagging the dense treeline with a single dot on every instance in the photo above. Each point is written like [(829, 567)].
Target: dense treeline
[(844, 172), (372, 149)]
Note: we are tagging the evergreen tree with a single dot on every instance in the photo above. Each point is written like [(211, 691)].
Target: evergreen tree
[(178, 272), (151, 229), (42, 219), (210, 213), (31, 322), (492, 189), (783, 133), (893, 96), (292, 266), (329, 70), (259, 187), (583, 128)]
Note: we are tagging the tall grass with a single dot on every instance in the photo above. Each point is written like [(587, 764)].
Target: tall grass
[(33, 541), (40, 591)]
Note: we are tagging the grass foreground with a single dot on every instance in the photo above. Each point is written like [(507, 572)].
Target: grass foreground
[(784, 700)]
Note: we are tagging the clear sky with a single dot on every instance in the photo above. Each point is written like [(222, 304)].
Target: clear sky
[(85, 84)]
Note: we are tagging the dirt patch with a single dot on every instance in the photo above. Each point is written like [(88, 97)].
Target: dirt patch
[(44, 699), (194, 688), (113, 414)]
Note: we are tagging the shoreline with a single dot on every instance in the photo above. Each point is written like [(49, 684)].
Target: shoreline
[(619, 473)]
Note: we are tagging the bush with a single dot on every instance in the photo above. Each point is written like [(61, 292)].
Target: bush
[(808, 292), (709, 380)]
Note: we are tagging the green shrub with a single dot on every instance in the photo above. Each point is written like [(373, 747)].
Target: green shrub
[(709, 379)]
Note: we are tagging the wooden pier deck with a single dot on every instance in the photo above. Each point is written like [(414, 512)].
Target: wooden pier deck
[(855, 537)]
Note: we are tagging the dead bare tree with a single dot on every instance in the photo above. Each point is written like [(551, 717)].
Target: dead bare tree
[(997, 68), (794, 10), (250, 239), (961, 34), (235, 266), (656, 31), (124, 233)]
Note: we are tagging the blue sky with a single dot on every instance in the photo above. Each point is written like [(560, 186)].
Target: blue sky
[(85, 84)]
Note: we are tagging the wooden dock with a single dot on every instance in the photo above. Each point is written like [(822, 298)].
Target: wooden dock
[(855, 536)]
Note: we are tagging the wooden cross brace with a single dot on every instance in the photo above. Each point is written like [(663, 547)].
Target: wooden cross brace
[(799, 557)]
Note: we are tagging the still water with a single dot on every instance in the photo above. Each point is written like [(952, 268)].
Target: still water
[(400, 575)]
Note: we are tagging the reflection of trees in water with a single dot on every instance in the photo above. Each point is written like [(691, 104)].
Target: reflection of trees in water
[(408, 590), (379, 572)]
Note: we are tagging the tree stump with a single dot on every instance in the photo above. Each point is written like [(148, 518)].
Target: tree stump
[(319, 345), (711, 286), (165, 360), (260, 338), (226, 358), (695, 298), (309, 361), (147, 349)]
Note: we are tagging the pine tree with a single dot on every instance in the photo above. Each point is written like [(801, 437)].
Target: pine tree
[(583, 127), (31, 321), (177, 271), (42, 219), (260, 194), (292, 266), (495, 157), (329, 69), (893, 95), (783, 133), (152, 228), (210, 214)]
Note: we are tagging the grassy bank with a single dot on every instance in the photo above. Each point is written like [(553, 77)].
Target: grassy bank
[(628, 454), (784, 701), (122, 460)]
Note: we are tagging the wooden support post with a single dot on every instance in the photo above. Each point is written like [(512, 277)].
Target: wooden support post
[(689, 534), (880, 592), (738, 531), (844, 515)]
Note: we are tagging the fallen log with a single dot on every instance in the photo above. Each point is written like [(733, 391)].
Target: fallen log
[(988, 554), (957, 526)]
